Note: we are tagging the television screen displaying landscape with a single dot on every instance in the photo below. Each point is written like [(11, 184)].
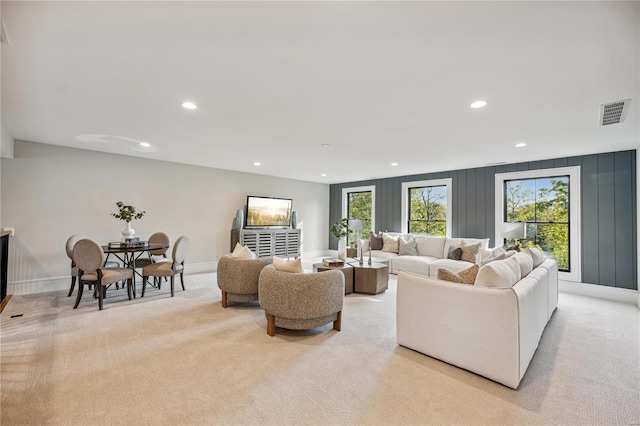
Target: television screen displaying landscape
[(268, 212)]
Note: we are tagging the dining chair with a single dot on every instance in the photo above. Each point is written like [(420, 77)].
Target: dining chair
[(71, 243), (89, 258), (168, 269), (157, 255)]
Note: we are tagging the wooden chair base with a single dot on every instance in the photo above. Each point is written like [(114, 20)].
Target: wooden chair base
[(271, 323)]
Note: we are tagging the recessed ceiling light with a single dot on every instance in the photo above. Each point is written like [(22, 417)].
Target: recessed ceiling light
[(478, 104), (325, 145), (189, 105), (256, 163), (323, 174), (394, 164), (520, 145), (145, 144)]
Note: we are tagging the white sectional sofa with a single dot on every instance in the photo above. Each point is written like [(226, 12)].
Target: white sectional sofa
[(491, 331), (432, 255)]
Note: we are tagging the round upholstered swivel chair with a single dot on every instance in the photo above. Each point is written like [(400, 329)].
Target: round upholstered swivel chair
[(238, 278), (301, 301)]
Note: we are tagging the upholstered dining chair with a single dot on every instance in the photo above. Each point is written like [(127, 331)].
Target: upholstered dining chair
[(157, 255), (71, 243), (168, 269), (301, 300), (238, 278), (89, 258)]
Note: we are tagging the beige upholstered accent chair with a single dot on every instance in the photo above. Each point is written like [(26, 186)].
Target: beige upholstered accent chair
[(89, 258), (300, 301), (238, 278), (71, 243), (171, 268)]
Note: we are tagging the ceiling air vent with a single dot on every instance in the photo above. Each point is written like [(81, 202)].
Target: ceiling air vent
[(614, 112)]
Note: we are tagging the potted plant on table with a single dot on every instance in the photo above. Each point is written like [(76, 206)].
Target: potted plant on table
[(341, 229), (127, 213)]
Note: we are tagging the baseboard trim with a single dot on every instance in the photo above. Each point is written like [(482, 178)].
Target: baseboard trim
[(42, 285), (603, 292)]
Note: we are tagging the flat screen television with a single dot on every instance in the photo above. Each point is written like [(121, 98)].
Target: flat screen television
[(268, 212)]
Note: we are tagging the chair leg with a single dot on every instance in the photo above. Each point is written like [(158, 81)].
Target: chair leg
[(182, 280), (144, 285), (173, 278), (79, 296), (224, 299), (271, 325), (73, 284), (337, 324), (129, 288), (100, 295)]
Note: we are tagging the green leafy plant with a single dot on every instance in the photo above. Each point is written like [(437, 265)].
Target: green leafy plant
[(127, 213), (341, 228)]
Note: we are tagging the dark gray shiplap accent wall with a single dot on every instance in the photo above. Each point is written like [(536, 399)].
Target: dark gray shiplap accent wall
[(608, 198)]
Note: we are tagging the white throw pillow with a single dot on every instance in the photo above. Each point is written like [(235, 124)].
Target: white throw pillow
[(500, 274), (491, 258), (389, 243), (407, 248), (287, 266), (242, 252), (536, 255), (525, 261)]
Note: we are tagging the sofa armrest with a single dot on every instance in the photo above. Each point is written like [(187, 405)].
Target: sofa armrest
[(475, 328)]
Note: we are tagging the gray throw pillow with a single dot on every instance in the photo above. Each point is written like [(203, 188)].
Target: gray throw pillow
[(407, 248), (455, 253), (375, 241)]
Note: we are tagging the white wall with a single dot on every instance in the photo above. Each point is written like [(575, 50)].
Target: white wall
[(49, 193)]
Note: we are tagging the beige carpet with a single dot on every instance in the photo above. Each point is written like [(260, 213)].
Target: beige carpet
[(185, 361)]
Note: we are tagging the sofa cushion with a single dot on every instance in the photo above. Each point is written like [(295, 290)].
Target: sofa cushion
[(287, 266), (242, 252), (389, 243), (430, 246), (455, 253), (525, 261), (470, 251), (414, 264), (536, 255), (375, 241), (407, 248), (501, 274), (466, 276), (492, 258)]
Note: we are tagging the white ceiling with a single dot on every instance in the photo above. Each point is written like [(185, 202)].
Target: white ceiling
[(378, 81)]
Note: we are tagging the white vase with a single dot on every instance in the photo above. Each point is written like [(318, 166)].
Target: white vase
[(128, 232), (342, 249)]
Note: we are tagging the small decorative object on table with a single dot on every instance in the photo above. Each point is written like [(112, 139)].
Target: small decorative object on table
[(332, 262), (370, 255), (127, 213), (341, 229), (360, 245)]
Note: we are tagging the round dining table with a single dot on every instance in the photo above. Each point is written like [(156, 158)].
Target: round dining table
[(129, 253)]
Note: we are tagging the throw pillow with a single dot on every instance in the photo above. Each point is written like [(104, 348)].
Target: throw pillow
[(287, 266), (407, 248), (242, 252), (536, 255), (511, 246), (455, 253), (468, 276), (375, 241), (470, 251), (389, 243), (492, 258)]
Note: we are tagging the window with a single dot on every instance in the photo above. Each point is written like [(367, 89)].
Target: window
[(359, 203), (426, 207), (543, 204), (548, 202)]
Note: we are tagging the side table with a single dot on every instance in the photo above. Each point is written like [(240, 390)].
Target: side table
[(346, 269), (370, 279)]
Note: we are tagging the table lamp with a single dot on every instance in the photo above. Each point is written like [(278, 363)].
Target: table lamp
[(513, 230), (356, 225)]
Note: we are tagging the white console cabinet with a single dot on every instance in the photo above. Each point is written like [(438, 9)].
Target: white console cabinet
[(268, 242)]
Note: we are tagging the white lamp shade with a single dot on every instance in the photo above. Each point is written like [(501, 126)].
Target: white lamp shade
[(356, 224), (513, 230)]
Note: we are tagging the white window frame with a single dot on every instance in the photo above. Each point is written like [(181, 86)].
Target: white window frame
[(574, 211), (345, 201), (448, 182)]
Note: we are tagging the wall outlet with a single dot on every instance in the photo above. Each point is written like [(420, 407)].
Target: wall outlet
[(9, 229)]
